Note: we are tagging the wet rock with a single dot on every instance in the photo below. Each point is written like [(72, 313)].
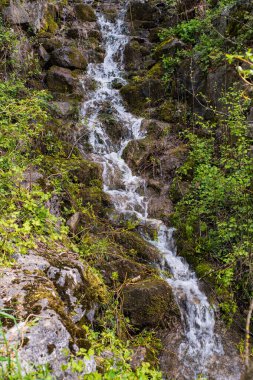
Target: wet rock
[(69, 57), (85, 12), (135, 53), (150, 303), (155, 158)]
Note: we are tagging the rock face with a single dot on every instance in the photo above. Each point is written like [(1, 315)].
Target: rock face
[(54, 288), (150, 303)]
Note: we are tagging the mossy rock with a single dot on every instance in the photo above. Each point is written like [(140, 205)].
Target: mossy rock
[(156, 71), (62, 80), (142, 250), (125, 268), (150, 303), (69, 57), (149, 92), (85, 12), (85, 172), (172, 112)]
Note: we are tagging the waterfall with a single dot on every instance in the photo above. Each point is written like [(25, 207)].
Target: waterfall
[(127, 193)]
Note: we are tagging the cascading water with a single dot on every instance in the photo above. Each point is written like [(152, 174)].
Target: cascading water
[(127, 193)]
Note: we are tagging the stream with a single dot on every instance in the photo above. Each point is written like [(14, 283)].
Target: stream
[(127, 193)]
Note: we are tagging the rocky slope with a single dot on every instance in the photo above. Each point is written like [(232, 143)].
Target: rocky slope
[(103, 265)]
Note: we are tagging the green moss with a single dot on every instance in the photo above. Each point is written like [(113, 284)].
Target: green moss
[(156, 71), (49, 24), (44, 291)]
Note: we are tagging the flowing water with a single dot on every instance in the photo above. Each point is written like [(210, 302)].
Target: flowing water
[(127, 193)]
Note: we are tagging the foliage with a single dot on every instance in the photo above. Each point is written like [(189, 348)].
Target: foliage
[(246, 73), (209, 35), (113, 357), (25, 219), (215, 216)]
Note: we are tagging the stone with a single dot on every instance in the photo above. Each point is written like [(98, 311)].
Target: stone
[(126, 268), (150, 303), (55, 290), (73, 221), (146, 93), (30, 177), (69, 57), (169, 47), (43, 54), (143, 251), (17, 14), (61, 80), (65, 109), (85, 12), (139, 356)]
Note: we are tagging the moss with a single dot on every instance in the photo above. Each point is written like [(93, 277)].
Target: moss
[(142, 250), (44, 291), (49, 24), (173, 112), (161, 46), (150, 303), (132, 95), (85, 12), (156, 71)]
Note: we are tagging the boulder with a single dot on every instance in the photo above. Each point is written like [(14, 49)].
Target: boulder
[(150, 303), (85, 12), (62, 80), (69, 57), (125, 268)]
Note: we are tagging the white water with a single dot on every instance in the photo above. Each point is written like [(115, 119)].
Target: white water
[(128, 195)]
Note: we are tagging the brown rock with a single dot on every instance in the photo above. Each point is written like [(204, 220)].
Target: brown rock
[(61, 80)]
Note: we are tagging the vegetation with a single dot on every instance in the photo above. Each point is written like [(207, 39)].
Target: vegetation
[(217, 214), (36, 166)]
